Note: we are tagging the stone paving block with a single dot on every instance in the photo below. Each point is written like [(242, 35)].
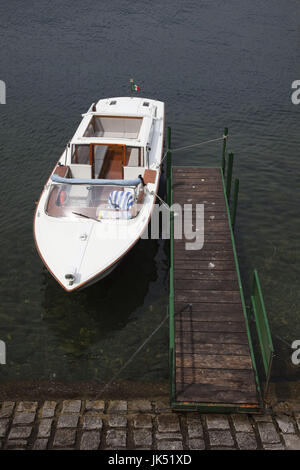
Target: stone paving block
[(194, 427), (20, 432), (291, 441), (265, 418), (117, 406), (278, 446), (162, 406), (64, 437), (285, 424), (241, 423), (24, 418), (196, 444), (40, 444), (116, 421), (169, 445), (92, 422), (223, 448), (67, 421), (168, 435), (45, 427), (90, 440), (48, 410), (215, 421), (220, 438), (71, 406), (116, 439), (142, 438), (16, 444), (27, 406), (142, 421), (140, 406), (7, 409), (3, 426), (297, 418), (168, 423), (246, 440), (268, 433), (95, 405)]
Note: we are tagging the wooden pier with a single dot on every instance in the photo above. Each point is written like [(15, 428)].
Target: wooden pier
[(212, 362)]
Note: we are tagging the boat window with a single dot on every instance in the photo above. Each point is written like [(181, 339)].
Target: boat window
[(95, 201), (81, 154), (135, 156)]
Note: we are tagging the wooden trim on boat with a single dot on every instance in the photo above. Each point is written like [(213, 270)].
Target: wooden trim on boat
[(61, 170)]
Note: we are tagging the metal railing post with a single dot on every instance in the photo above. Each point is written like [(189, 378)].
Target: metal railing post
[(235, 202), (229, 176), (168, 164), (224, 150)]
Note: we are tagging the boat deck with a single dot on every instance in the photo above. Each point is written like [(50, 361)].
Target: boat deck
[(212, 359)]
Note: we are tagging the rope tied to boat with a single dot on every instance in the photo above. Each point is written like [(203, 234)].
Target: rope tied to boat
[(191, 146), (152, 193)]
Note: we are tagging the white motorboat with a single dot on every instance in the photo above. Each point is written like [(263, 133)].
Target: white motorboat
[(99, 198)]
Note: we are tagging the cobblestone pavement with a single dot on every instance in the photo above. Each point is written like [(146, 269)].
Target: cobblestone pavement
[(139, 424)]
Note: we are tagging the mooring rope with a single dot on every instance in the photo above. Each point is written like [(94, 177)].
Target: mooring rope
[(133, 356), (152, 193), (200, 143), (191, 146)]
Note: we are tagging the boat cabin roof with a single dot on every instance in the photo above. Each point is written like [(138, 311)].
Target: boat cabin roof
[(108, 126)]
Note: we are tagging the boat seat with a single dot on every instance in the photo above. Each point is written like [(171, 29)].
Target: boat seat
[(121, 200)]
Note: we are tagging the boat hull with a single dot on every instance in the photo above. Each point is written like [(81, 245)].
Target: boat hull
[(58, 241), (100, 276)]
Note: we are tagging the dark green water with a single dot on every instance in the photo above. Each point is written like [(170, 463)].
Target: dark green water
[(214, 64)]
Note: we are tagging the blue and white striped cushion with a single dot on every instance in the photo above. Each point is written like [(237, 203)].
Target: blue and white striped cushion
[(122, 200)]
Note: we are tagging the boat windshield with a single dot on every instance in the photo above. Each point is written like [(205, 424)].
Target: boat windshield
[(93, 201)]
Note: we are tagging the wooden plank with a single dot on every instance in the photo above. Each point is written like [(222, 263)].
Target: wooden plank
[(209, 240), (212, 338), (193, 170), (223, 377), (205, 285), (215, 265), (207, 296), (210, 203), (194, 274), (196, 191), (208, 326), (211, 225), (201, 179), (223, 245), (199, 187), (215, 394), (227, 348), (213, 361), (209, 216), (212, 307), (203, 316), (204, 254)]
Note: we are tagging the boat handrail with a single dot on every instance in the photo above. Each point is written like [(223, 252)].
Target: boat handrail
[(103, 182)]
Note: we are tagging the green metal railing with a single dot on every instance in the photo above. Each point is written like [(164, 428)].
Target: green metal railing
[(228, 179), (235, 201), (242, 296), (171, 294), (263, 328), (224, 150)]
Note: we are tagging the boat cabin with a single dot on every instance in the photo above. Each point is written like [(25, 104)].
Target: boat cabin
[(104, 147)]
